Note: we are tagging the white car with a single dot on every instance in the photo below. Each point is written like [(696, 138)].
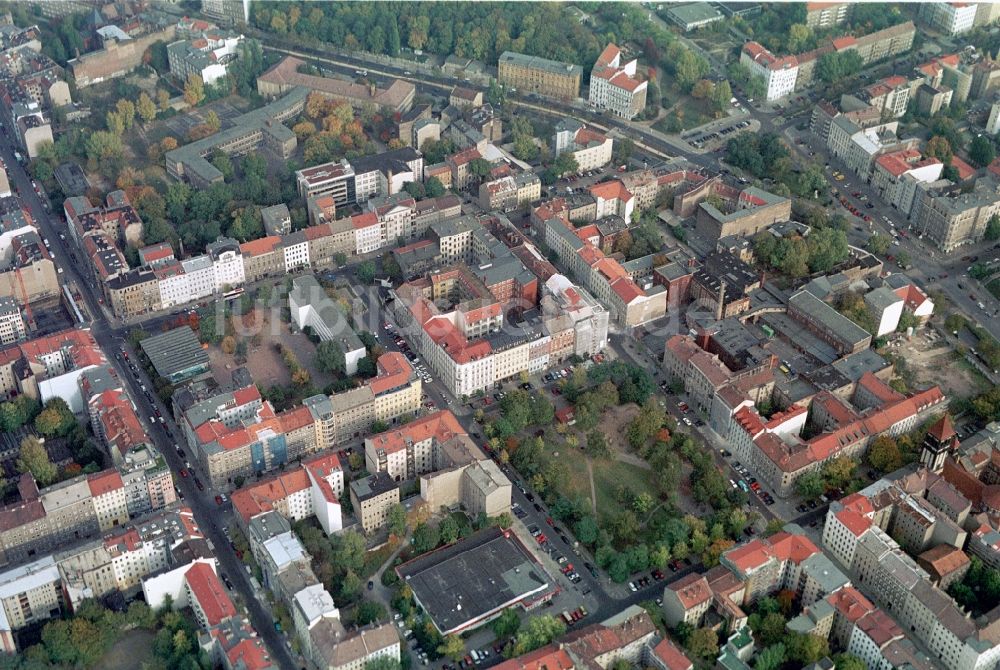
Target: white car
[(632, 586), (687, 421)]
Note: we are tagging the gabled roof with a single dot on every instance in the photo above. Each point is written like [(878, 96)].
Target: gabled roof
[(207, 590)]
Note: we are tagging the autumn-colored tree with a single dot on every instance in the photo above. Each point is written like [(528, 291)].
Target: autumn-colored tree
[(301, 377), (702, 89), (168, 144), (212, 121), (884, 454), (194, 90), (939, 147), (162, 99), (146, 108), (304, 129), (115, 123), (126, 108), (228, 344)]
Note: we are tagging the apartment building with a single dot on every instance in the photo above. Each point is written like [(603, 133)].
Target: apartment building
[(116, 219), (779, 74), (50, 366), (313, 489), (76, 508), (779, 455), (508, 193), (12, 327), (117, 57), (950, 18), (371, 499), (615, 86), (591, 149), (951, 217), (898, 585), (311, 307), (531, 74), (205, 55), (896, 175), (826, 14), (28, 594)]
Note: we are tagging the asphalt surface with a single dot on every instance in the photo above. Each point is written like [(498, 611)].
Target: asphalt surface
[(110, 339)]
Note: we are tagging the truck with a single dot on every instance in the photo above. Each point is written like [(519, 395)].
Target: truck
[(567, 618)]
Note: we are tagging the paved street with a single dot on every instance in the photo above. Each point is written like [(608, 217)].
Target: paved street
[(202, 503)]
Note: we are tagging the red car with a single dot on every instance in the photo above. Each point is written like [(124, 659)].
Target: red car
[(549, 521), (184, 473), (218, 500)]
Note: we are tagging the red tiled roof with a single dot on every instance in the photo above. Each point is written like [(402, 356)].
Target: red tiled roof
[(844, 42), (439, 426), (259, 247), (856, 523), (249, 654), (549, 657), (851, 604), (965, 170), (609, 55), (365, 220), (207, 590), (104, 482), (691, 590), (671, 656), (943, 429), (611, 190), (393, 372)]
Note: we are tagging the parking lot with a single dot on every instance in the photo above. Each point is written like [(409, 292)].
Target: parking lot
[(700, 140)]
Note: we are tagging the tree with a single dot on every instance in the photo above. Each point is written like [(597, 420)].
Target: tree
[(146, 108), (837, 66), (448, 530), (396, 520), (366, 272), (807, 649), (212, 121), (849, 662), (703, 89), (811, 485), (368, 612), (878, 243), (884, 454), (453, 647), (480, 167), (425, 538), (56, 420), (993, 228), (434, 188), (622, 150), (981, 150), (770, 658), (565, 163), (721, 96), (703, 643), (939, 147), (798, 38), (586, 530), (597, 445), (194, 90), (838, 472), (330, 357), (34, 458), (507, 624), (126, 109), (538, 632)]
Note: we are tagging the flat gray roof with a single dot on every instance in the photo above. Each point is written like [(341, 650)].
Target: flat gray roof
[(538, 63), (832, 320), (473, 578), (175, 352)]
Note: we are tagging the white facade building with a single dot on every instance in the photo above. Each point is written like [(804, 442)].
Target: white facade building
[(779, 74)]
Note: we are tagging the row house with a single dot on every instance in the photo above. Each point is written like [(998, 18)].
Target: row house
[(312, 489)]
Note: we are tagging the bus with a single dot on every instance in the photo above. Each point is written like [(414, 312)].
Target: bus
[(232, 295)]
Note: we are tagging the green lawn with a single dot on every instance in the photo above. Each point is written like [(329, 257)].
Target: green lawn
[(994, 288), (609, 477)]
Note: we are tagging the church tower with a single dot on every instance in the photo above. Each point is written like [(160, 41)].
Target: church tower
[(940, 441)]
